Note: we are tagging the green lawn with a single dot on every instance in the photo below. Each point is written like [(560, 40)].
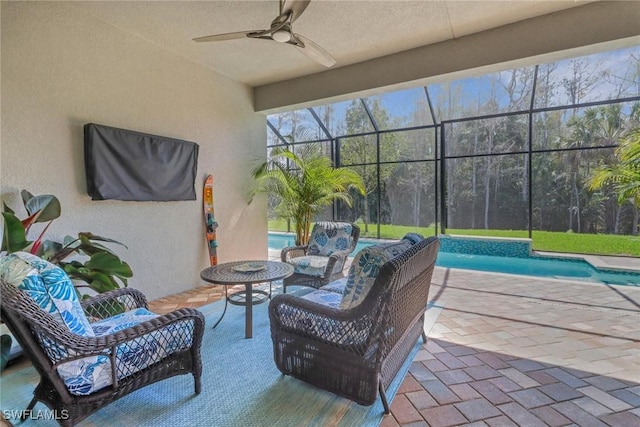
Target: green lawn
[(601, 244)]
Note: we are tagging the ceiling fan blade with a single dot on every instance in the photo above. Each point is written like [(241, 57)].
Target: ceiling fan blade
[(315, 52), (296, 7), (226, 36)]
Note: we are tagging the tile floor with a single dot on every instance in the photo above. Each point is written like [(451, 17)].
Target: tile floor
[(514, 351)]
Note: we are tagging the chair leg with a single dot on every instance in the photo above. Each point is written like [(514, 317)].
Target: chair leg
[(226, 300), (424, 337), (383, 397), (198, 383), (29, 408)]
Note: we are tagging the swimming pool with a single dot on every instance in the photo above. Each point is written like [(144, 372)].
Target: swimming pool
[(558, 268), (280, 240)]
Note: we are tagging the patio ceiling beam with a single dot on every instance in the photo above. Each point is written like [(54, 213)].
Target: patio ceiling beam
[(577, 31)]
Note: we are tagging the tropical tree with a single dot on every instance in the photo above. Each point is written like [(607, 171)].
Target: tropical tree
[(623, 176), (304, 182)]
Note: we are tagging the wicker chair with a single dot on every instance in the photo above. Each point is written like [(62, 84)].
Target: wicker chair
[(356, 352), (52, 347), (322, 260)]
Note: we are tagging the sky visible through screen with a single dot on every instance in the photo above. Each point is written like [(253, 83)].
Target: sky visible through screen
[(610, 75)]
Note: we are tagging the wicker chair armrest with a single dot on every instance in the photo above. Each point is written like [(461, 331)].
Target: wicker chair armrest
[(77, 346), (335, 258), (110, 303), (293, 252), (133, 332), (350, 328)]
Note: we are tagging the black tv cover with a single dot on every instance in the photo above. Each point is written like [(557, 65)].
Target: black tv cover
[(126, 165)]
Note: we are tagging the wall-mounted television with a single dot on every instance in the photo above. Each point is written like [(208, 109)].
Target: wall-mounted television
[(127, 165)]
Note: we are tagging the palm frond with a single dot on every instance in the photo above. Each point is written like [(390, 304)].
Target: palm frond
[(303, 183)]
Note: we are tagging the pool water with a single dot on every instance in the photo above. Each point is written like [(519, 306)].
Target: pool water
[(559, 268), (280, 241)]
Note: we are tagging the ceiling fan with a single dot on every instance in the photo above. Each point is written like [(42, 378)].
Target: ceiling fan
[(281, 32)]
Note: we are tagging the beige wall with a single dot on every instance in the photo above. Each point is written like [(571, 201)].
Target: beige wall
[(61, 69)]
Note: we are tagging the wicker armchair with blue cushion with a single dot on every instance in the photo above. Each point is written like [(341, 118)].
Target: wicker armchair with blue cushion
[(322, 260), (91, 352), (352, 336)]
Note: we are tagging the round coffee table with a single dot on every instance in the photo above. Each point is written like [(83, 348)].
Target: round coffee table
[(246, 273)]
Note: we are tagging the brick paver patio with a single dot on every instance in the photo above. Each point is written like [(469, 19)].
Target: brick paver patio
[(515, 351)]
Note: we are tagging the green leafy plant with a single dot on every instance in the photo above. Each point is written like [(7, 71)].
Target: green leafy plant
[(102, 271), (304, 183), (624, 176)]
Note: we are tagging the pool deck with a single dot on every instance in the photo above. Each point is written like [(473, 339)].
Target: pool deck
[(602, 261), (508, 350), (519, 350)]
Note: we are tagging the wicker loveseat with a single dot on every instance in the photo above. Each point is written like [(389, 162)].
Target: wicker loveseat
[(352, 336), (90, 353), (322, 260)]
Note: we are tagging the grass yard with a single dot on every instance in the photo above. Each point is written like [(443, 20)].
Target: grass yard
[(598, 244)]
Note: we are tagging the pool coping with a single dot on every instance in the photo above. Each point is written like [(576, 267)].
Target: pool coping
[(595, 261), (540, 278), (599, 262)]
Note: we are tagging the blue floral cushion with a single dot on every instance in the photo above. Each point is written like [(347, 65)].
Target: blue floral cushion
[(329, 237), (336, 286), (413, 238), (89, 374), (328, 298), (365, 268), (311, 265), (49, 286), (122, 321)]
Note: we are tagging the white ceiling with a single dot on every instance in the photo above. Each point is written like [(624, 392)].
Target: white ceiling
[(352, 31)]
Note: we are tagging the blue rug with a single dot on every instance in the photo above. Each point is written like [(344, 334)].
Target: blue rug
[(241, 386)]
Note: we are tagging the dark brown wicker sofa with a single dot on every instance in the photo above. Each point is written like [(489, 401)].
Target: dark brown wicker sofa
[(90, 353), (355, 350)]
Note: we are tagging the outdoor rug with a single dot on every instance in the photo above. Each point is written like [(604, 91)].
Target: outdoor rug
[(241, 386)]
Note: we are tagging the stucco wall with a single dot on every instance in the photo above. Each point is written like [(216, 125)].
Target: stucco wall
[(61, 69)]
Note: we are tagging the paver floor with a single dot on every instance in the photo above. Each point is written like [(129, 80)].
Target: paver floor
[(514, 351)]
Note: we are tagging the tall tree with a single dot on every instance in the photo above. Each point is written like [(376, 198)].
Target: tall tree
[(624, 176)]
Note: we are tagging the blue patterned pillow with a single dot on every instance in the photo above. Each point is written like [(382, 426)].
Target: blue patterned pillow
[(49, 286), (365, 268), (413, 238), (329, 237)]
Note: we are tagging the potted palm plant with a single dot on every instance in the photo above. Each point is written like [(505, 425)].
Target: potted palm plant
[(303, 183)]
